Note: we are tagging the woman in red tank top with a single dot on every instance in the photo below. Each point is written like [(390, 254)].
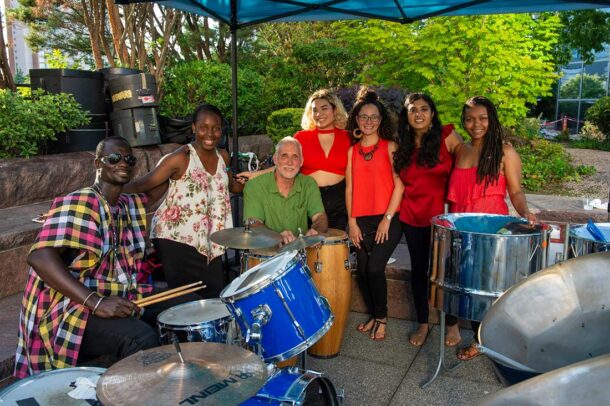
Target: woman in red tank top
[(373, 193), (485, 169), (424, 161)]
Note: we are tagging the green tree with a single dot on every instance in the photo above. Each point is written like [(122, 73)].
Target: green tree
[(585, 31), (593, 87), (507, 58)]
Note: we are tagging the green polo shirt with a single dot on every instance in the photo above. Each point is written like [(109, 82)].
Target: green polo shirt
[(262, 200)]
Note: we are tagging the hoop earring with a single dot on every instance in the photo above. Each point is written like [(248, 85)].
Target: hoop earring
[(357, 133)]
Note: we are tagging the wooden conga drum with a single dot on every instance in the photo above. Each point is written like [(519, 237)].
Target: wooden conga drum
[(330, 271)]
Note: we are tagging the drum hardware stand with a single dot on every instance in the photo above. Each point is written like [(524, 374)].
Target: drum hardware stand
[(566, 242), (441, 357), (177, 346), (261, 315)]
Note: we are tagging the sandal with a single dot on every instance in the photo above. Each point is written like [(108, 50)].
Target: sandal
[(468, 353), (374, 336), (418, 338), (362, 326)]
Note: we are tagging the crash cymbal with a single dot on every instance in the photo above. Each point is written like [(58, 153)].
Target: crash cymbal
[(302, 242), (246, 238), (212, 373)]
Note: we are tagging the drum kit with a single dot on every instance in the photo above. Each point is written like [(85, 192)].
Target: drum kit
[(227, 350)]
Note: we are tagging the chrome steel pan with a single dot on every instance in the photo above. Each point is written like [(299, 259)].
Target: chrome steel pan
[(583, 243), (585, 383), (471, 264), (557, 317)]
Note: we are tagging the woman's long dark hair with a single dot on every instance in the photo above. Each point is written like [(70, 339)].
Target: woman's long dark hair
[(368, 96), (492, 152), (430, 143)]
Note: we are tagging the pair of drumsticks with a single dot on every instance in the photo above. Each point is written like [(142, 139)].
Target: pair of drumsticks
[(170, 294)]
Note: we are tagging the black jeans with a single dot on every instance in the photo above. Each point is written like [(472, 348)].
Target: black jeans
[(418, 242), (372, 259), (333, 198), (183, 264)]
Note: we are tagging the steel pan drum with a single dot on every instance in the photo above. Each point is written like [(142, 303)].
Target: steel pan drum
[(555, 318), (583, 243), (472, 264), (584, 383)]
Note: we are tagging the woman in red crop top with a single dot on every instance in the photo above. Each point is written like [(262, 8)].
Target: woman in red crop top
[(373, 193), (424, 161), (479, 185), (325, 144)]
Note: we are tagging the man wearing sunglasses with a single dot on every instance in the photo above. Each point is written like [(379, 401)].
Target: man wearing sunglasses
[(78, 300)]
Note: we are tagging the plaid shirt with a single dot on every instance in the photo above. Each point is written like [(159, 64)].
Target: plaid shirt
[(51, 326)]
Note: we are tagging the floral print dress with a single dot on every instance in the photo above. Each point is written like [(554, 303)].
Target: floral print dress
[(197, 205)]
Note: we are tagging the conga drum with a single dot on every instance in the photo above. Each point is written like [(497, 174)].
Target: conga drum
[(255, 257), (330, 271)]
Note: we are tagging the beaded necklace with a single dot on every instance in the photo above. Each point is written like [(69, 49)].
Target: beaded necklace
[(368, 155)]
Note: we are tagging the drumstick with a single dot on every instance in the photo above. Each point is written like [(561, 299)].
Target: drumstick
[(144, 303), (167, 292)]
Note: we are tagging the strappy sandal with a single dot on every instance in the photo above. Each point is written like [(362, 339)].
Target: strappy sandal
[(362, 326), (373, 336), (468, 353)]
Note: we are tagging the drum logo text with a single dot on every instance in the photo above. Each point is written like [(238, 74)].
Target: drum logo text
[(217, 387)]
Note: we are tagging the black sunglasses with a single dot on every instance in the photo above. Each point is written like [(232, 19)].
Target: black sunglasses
[(115, 158)]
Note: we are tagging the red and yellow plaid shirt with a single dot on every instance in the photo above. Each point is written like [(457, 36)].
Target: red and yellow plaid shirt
[(51, 326)]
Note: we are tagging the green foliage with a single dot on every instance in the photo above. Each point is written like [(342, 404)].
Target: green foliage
[(588, 143), (283, 123), (528, 128), (593, 87), (27, 124), (57, 60), (599, 114), (589, 131), (189, 84), (585, 31), (545, 163), (507, 58)]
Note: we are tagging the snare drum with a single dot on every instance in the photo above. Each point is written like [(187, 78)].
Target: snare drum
[(281, 296), (203, 320), (55, 387), (255, 257), (295, 387), (330, 271), (583, 243)]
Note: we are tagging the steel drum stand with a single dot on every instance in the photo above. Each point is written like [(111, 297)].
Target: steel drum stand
[(441, 356)]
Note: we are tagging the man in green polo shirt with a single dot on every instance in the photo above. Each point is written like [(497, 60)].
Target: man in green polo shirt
[(284, 199)]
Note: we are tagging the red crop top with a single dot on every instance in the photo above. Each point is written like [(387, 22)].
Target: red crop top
[(314, 158)]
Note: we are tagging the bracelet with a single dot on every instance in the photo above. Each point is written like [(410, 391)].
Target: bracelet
[(87, 298), (97, 305)]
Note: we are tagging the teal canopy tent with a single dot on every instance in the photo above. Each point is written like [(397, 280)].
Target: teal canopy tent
[(242, 13)]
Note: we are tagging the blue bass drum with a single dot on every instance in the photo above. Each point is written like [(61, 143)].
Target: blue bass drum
[(279, 296), (291, 386), (472, 263)]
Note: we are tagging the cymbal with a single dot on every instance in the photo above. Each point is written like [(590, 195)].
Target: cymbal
[(212, 373), (302, 242), (246, 238)]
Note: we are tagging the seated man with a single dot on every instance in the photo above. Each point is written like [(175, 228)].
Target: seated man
[(284, 199), (78, 300)]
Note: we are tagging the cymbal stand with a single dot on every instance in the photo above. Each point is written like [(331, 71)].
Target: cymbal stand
[(441, 356), (243, 261)]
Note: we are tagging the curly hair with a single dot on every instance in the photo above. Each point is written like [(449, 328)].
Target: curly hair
[(428, 155), (492, 152), (368, 96), (308, 123)]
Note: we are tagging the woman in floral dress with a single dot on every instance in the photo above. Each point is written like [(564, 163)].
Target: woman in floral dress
[(196, 205)]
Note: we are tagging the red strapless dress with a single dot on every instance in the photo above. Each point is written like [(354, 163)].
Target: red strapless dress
[(465, 195)]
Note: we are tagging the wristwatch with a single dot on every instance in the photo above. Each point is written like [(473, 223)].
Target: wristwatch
[(388, 217)]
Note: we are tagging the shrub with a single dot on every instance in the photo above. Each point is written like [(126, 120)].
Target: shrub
[(189, 84), (590, 131), (545, 162), (284, 122), (599, 114), (528, 128), (27, 124)]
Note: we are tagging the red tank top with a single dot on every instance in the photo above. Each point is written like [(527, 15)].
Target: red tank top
[(467, 196), (372, 181), (314, 158), (425, 188)]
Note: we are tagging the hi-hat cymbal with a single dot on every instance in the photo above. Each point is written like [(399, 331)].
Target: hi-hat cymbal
[(246, 238), (212, 373), (302, 242)]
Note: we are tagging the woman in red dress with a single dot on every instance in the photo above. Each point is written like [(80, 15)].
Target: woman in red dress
[(486, 168)]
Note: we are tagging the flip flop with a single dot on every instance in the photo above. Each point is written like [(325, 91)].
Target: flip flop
[(373, 336), (362, 326), (468, 353)]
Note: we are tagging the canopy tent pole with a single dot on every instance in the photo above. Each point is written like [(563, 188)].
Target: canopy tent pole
[(235, 162)]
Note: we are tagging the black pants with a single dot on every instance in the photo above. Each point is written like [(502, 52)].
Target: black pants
[(372, 259), (418, 242), (333, 198), (183, 264)]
